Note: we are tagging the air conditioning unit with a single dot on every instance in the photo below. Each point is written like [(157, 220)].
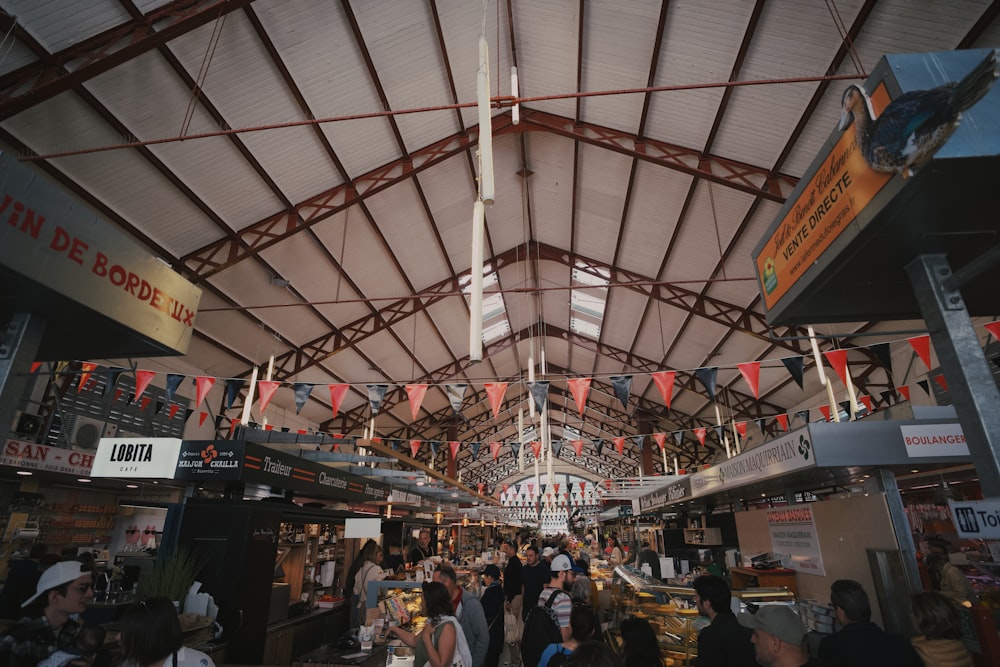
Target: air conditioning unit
[(28, 425), (87, 432)]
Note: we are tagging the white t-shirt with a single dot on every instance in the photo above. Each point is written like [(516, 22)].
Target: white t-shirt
[(368, 572), (186, 657)]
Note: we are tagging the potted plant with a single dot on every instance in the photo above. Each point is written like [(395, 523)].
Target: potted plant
[(172, 575)]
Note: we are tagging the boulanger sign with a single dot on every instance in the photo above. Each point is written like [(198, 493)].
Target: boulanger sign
[(792, 452), (934, 440), (137, 458)]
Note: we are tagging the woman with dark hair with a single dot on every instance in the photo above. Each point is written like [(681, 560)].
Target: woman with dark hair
[(939, 619), (151, 637), (639, 644), (441, 643), (370, 570), (615, 555), (581, 628), (593, 654)]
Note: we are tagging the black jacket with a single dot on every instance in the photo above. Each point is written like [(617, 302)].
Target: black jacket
[(493, 609), (725, 643), (864, 644)]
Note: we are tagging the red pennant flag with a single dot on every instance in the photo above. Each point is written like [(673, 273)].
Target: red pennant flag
[(453, 445), (741, 428), (751, 373), (922, 346), (142, 380), (661, 439), (173, 410), (144, 403), (607, 484), (556, 486), (579, 387), (302, 431), (941, 382), (85, 371), (531, 489), (665, 383), (495, 449), (700, 432), (505, 487), (203, 383), (416, 393), (867, 400), (232, 427), (118, 393), (992, 327), (619, 444), (201, 418), (783, 420), (337, 393), (268, 427), (905, 391), (536, 447), (496, 391), (480, 487), (838, 361), (578, 447), (825, 409), (266, 389), (36, 365), (414, 447)]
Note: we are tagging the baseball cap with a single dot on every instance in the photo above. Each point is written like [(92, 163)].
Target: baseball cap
[(57, 575), (560, 564), (491, 571), (777, 620), (548, 551), (577, 569)]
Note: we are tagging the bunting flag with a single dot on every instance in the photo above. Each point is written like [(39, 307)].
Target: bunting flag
[(302, 391), (664, 381), (883, 354), (144, 403), (707, 377), (495, 449), (700, 433), (598, 445), (556, 448), (496, 392), (838, 362), (622, 385), (639, 441), (741, 428), (115, 373), (142, 380), (204, 384), (718, 432), (925, 385), (474, 446), (173, 410), (751, 373), (825, 410), (337, 393), (434, 444), (661, 439), (159, 407), (268, 427), (941, 382), (905, 391), (453, 446), (795, 367), (376, 392), (414, 447), (578, 447), (536, 447), (233, 388), (803, 415), (232, 427), (607, 484), (845, 407), (218, 422), (867, 400), (481, 487), (539, 392), (759, 421), (783, 420), (922, 346), (679, 437), (515, 446), (456, 395), (201, 418), (35, 365), (579, 387), (556, 487), (416, 393), (994, 328), (85, 371), (266, 389)]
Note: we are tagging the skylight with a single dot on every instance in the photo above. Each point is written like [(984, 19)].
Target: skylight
[(588, 299), (495, 324)]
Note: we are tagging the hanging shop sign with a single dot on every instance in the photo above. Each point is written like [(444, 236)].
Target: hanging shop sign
[(794, 539), (136, 458), (976, 519), (54, 242), (210, 459), (792, 452), (33, 456), (934, 440), (672, 493), (286, 470)]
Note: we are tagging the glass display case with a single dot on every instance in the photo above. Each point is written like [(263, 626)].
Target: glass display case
[(671, 611)]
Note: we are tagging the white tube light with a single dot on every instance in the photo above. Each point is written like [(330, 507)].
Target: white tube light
[(531, 378), (486, 191), (476, 287), (515, 111), (245, 417)]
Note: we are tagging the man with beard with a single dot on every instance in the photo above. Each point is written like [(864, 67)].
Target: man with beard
[(422, 550), (724, 642), (560, 583), (535, 575)]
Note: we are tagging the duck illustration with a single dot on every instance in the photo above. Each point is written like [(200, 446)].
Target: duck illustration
[(916, 124)]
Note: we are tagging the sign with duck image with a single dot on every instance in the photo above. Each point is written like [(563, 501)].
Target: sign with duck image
[(890, 183)]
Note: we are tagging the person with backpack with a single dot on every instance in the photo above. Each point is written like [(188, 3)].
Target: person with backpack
[(442, 642), (581, 627), (548, 621)]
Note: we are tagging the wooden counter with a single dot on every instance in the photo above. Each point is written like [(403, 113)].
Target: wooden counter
[(742, 576)]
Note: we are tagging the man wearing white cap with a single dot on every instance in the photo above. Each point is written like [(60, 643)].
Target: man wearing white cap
[(61, 596), (778, 637)]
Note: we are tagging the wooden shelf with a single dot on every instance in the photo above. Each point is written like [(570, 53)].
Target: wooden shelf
[(741, 577)]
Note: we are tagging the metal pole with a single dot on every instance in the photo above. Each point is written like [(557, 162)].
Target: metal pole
[(970, 383)]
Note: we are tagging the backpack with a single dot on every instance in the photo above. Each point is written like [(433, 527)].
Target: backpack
[(541, 628)]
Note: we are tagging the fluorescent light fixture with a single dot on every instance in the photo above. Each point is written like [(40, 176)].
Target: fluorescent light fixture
[(23, 472), (84, 480)]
